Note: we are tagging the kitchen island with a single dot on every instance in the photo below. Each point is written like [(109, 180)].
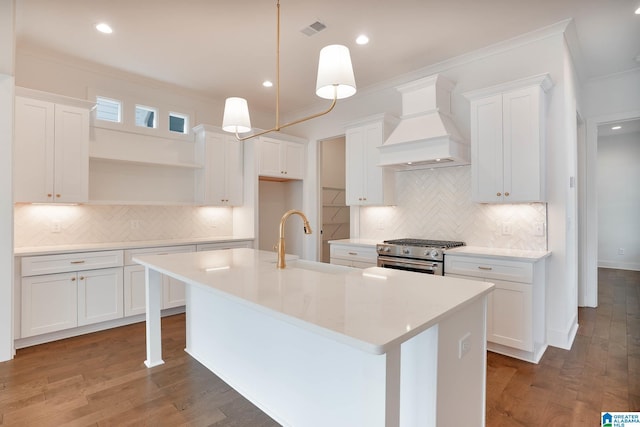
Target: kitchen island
[(316, 344)]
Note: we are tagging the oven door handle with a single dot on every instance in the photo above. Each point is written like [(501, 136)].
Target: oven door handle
[(422, 265)]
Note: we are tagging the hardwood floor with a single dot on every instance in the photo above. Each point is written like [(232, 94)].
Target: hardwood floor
[(601, 372), (100, 380)]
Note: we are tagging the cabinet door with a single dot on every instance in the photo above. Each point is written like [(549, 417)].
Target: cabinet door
[(134, 290), (71, 165), (224, 171), (509, 315), (486, 149), (372, 180), (33, 151), (173, 292), (354, 166), (269, 158), (100, 295), (293, 160), (234, 172), (523, 179), (367, 184), (49, 303)]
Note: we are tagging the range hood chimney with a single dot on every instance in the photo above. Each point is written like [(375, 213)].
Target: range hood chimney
[(426, 136)]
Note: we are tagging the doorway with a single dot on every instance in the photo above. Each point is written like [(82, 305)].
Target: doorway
[(334, 213), (591, 204)]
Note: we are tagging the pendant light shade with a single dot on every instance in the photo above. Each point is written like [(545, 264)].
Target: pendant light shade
[(335, 73), (236, 116)]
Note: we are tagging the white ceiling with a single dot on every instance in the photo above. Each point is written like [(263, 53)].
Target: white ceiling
[(227, 47)]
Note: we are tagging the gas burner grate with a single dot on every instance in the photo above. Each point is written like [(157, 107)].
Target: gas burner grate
[(445, 244)]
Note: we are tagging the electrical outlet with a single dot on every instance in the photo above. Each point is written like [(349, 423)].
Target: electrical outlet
[(620, 251), (212, 223), (55, 226), (135, 224), (507, 229), (539, 229), (464, 345), (380, 224)]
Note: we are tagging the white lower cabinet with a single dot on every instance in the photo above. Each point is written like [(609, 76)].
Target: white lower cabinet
[(76, 293), (358, 256), (100, 296), (49, 303), (515, 309), (134, 281)]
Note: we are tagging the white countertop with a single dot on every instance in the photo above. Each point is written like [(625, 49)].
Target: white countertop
[(504, 253), (371, 309), (87, 247)]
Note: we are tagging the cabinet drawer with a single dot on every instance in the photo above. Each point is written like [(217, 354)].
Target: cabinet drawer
[(130, 253), (62, 263), (486, 268), (355, 253)]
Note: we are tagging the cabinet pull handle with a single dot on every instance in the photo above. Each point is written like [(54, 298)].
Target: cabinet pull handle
[(353, 253), (77, 262), (485, 268), (164, 253)]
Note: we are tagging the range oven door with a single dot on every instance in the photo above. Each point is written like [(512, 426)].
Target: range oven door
[(427, 267)]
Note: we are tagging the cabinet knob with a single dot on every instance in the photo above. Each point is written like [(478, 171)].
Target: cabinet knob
[(506, 193), (498, 194), (57, 196), (49, 194), (81, 277), (73, 279)]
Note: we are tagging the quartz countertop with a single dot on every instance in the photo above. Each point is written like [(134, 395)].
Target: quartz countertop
[(504, 253), (88, 247), (371, 309)]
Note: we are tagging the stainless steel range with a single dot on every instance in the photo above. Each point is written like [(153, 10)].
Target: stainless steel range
[(423, 256)]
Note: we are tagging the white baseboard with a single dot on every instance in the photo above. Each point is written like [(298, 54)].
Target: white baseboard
[(563, 339), (634, 266)]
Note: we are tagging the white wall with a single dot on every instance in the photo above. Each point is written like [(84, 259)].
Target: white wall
[(7, 11), (619, 201)]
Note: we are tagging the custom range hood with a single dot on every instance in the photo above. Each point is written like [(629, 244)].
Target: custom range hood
[(426, 136)]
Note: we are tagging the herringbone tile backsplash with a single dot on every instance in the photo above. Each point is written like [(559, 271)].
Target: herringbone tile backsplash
[(106, 224), (436, 204)]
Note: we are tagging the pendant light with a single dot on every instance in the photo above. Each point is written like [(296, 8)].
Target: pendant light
[(335, 81)]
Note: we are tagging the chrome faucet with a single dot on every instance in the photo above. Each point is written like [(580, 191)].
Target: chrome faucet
[(283, 220)]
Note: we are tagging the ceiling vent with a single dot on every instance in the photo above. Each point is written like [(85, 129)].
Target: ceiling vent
[(314, 28)]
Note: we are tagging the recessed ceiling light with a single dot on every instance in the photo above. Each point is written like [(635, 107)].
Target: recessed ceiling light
[(616, 127), (104, 28), (362, 39), (267, 83)]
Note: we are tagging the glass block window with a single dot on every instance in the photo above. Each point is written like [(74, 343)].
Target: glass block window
[(109, 110), (146, 116), (179, 123)]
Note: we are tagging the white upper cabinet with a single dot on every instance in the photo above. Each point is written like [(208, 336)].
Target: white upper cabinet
[(508, 141), (220, 182), (281, 159), (368, 184), (51, 150)]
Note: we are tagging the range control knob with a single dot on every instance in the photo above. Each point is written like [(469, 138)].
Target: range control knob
[(387, 249), (434, 253), (406, 251)]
